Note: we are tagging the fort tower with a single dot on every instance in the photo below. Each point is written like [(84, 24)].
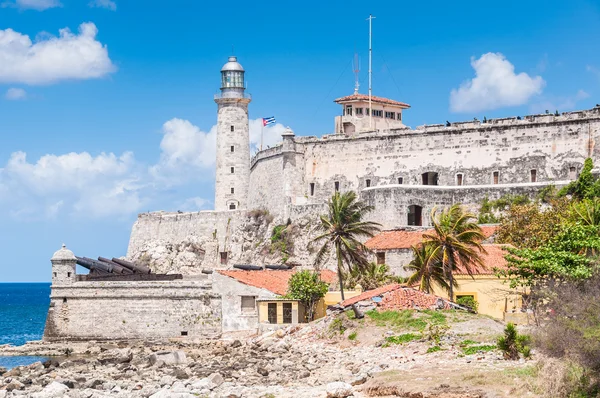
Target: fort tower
[(233, 141)]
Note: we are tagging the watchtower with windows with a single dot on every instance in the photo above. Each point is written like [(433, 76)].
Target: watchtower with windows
[(233, 141)]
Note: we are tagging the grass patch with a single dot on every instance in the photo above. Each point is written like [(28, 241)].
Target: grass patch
[(337, 326), (435, 348), (405, 319), (352, 336), (527, 371), (468, 342), (436, 317), (350, 314), (474, 349), (402, 338)]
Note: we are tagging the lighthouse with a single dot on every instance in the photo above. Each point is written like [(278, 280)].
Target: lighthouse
[(233, 141)]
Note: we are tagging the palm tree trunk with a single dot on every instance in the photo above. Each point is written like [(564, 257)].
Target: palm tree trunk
[(339, 270), (451, 286)]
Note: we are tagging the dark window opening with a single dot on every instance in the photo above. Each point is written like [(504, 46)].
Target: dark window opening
[(349, 110), (368, 182), (359, 111), (232, 148), (232, 206), (312, 189), (272, 313), (381, 258), (533, 175), (414, 215), (572, 173), (232, 190), (430, 178), (400, 180), (232, 128), (248, 304), (459, 179), (184, 333), (68, 274), (54, 274), (223, 257), (496, 177), (399, 114), (337, 186), (232, 170), (287, 312), (377, 113), (64, 299)]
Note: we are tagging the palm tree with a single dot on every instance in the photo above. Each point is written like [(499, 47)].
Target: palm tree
[(456, 240), (341, 229), (427, 269), (371, 277)]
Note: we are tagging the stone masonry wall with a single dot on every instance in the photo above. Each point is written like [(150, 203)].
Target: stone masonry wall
[(133, 310)]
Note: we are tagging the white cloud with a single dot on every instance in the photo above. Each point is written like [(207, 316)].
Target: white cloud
[(195, 204), (560, 104), (593, 70), (15, 94), (69, 56), (495, 85), (271, 134), (39, 5), (111, 5)]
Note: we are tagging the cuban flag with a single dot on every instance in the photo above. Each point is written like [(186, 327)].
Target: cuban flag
[(268, 121)]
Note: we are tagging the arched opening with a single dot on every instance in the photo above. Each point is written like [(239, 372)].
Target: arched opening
[(430, 178), (415, 215)]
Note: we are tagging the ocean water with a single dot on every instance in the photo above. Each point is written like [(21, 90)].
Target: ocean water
[(23, 308)]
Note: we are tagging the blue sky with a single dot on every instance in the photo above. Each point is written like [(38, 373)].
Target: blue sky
[(115, 116)]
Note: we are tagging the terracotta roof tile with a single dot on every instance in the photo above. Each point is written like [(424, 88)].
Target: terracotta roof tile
[(492, 259), (370, 294), (275, 281), (377, 100), (398, 297), (404, 239)]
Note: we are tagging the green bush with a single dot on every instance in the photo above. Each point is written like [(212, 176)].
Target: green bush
[(512, 343), (307, 287), (435, 348), (352, 336), (468, 301)]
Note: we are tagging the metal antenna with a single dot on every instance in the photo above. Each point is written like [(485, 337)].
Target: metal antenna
[(356, 72), (370, 19)]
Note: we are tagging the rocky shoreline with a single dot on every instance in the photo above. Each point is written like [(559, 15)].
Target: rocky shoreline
[(297, 362)]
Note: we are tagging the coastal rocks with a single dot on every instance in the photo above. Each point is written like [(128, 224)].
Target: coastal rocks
[(115, 356), (168, 358), (210, 383), (339, 390), (52, 390)]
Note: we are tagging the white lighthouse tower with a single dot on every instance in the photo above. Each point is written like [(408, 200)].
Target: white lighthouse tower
[(233, 141)]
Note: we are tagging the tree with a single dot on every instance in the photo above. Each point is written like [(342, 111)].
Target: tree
[(586, 186), (456, 240), (341, 228), (371, 277), (427, 269), (307, 287)]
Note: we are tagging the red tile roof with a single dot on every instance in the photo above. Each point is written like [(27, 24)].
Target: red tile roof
[(397, 297), (404, 239), (377, 100), (492, 259), (275, 281)]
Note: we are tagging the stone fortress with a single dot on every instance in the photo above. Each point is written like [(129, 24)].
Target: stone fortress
[(403, 173)]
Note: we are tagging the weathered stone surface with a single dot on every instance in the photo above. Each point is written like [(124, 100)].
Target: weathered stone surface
[(168, 357), (52, 390), (339, 390)]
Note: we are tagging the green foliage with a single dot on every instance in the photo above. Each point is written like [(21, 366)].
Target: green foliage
[(307, 287), (433, 349), (586, 186), (468, 342), (547, 194), (512, 343), (474, 349), (337, 326), (435, 332), (489, 208), (282, 240), (403, 338), (406, 319), (372, 276), (469, 302), (352, 336)]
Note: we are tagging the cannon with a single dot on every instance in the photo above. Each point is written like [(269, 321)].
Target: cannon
[(139, 269), (117, 268), (93, 265)]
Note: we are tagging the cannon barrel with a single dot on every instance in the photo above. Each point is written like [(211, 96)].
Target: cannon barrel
[(140, 269), (117, 268), (94, 265)]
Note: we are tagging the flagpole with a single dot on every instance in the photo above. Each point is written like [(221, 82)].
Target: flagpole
[(370, 72), (262, 127)]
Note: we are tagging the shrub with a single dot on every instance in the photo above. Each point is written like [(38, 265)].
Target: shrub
[(435, 348), (512, 343), (352, 336), (307, 287), (403, 338), (469, 302), (474, 349)]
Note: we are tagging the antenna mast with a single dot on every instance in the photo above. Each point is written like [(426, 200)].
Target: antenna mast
[(356, 72), (370, 19)]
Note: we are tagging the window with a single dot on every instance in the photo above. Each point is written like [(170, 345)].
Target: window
[(232, 190), (184, 333), (232, 170), (414, 215), (337, 186), (232, 129), (287, 312), (248, 304), (232, 148), (64, 299), (400, 180), (232, 206), (459, 179), (390, 115), (572, 173), (272, 313), (377, 113), (359, 111), (533, 175), (368, 182), (68, 274), (312, 189), (367, 111), (348, 110), (496, 177), (381, 258), (54, 274), (399, 116), (430, 178), (223, 257)]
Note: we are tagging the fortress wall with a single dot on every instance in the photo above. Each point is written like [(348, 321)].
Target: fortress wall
[(266, 181), (133, 310), (391, 202)]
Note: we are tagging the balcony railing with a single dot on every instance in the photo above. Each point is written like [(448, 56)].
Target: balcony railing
[(233, 95)]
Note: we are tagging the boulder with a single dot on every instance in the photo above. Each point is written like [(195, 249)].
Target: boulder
[(211, 382), (168, 357), (52, 390), (164, 393), (339, 389), (116, 356)]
